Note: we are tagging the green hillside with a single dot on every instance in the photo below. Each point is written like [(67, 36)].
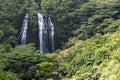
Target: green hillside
[(93, 59), (87, 42)]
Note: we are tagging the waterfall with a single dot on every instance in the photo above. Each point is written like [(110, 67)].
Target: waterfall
[(41, 26), (51, 33), (24, 30), (46, 33)]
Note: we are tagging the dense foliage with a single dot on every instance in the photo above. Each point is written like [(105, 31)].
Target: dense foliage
[(95, 58), (82, 18), (87, 37)]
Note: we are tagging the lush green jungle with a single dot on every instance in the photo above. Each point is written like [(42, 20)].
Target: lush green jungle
[(87, 45)]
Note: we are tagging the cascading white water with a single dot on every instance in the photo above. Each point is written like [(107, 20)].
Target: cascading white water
[(24, 30), (46, 33), (52, 33), (41, 27)]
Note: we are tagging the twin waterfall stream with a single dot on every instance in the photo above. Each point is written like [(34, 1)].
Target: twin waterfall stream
[(46, 33), (24, 29)]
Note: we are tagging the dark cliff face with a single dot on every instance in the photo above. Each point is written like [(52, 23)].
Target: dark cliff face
[(32, 31), (32, 35)]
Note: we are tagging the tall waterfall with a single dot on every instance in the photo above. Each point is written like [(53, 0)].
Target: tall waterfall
[(52, 33), (24, 30), (46, 33)]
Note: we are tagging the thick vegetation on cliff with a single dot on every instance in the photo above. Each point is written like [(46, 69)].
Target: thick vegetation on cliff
[(88, 41)]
